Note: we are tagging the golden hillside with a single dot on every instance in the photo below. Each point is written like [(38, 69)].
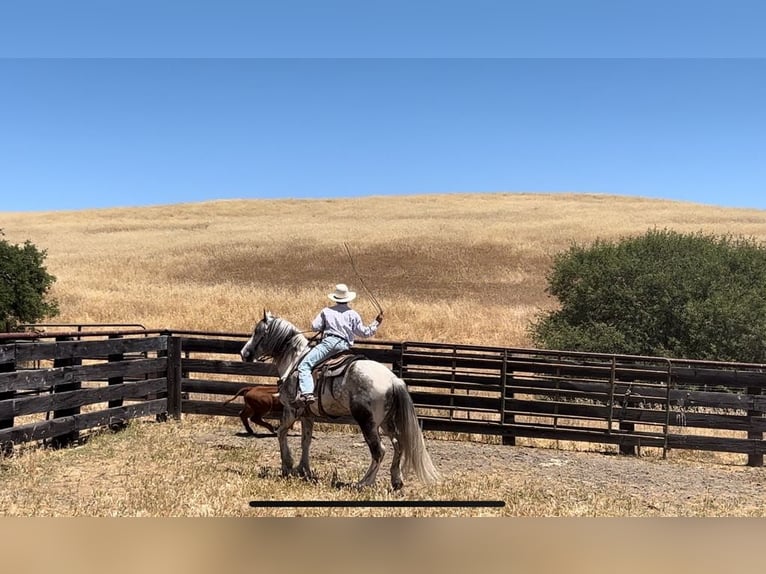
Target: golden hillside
[(463, 268)]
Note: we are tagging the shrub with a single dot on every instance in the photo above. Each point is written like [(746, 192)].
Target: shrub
[(24, 285), (661, 294)]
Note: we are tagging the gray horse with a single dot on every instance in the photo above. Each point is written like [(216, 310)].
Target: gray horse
[(370, 392)]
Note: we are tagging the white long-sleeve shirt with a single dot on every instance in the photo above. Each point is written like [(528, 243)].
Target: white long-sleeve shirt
[(344, 322)]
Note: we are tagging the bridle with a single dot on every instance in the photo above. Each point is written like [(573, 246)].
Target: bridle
[(257, 342)]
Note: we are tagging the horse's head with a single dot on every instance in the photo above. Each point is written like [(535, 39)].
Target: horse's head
[(254, 348)]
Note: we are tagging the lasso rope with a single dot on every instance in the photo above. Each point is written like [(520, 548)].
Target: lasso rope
[(359, 276)]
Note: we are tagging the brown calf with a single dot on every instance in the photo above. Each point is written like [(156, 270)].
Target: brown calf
[(259, 401)]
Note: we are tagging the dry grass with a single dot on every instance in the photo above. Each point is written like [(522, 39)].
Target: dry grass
[(454, 268), (205, 469)]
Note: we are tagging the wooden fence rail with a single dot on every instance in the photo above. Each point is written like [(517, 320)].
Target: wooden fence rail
[(631, 402), (50, 384)]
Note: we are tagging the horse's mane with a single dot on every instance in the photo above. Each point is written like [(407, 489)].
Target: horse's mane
[(280, 336)]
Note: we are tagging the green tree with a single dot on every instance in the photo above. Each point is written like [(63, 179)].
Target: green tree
[(664, 293), (24, 285)]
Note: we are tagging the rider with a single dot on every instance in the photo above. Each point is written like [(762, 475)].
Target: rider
[(338, 325)]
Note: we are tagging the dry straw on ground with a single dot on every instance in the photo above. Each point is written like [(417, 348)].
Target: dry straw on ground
[(453, 268)]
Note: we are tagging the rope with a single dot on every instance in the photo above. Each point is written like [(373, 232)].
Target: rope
[(361, 280)]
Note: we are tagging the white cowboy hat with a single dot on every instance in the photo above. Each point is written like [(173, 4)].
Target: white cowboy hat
[(342, 294)]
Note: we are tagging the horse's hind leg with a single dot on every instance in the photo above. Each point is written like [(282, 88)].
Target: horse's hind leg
[(396, 466), (372, 436)]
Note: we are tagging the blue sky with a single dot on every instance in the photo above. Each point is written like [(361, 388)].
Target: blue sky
[(117, 103)]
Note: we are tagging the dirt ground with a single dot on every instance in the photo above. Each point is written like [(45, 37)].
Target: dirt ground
[(195, 468), (536, 481), (653, 483)]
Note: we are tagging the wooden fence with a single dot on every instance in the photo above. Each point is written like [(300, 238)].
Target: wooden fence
[(631, 402), (55, 389)]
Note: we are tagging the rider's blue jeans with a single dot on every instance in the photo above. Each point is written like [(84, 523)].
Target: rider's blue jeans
[(329, 345)]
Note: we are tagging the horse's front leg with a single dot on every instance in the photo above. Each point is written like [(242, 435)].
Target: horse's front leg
[(288, 418), (307, 429)]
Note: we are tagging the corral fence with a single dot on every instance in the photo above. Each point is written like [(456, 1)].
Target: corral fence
[(56, 384)]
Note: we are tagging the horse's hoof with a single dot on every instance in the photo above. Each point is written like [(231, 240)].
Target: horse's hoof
[(308, 475), (397, 485)]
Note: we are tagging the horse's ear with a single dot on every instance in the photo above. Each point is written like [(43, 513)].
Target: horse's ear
[(264, 313)]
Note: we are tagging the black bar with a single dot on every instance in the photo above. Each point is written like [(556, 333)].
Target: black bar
[(377, 503)]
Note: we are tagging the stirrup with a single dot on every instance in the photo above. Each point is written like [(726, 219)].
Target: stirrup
[(305, 399)]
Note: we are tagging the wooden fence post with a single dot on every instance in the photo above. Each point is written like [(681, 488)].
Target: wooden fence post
[(6, 449), (754, 458), (174, 375), (117, 425), (162, 417), (70, 437), (115, 380)]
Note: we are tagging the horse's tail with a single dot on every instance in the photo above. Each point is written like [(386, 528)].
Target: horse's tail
[(414, 454), (241, 391)]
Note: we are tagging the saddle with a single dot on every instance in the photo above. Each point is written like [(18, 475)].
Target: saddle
[(332, 368)]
